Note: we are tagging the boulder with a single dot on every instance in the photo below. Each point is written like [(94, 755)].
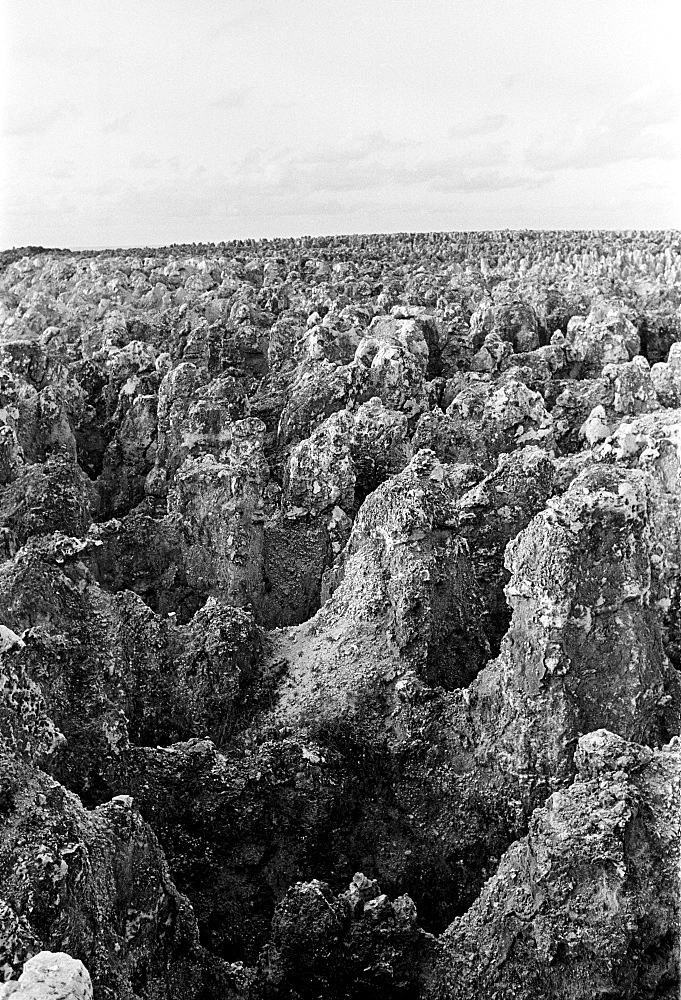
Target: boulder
[(51, 976)]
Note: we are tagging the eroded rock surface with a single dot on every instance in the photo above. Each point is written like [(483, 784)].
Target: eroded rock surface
[(342, 562), (51, 976), (587, 903), (93, 883)]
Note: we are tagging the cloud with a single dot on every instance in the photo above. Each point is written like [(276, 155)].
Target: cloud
[(357, 148), (251, 15), (19, 122), (64, 171), (80, 53), (372, 161), (484, 125), (232, 99), (292, 188), (118, 125), (650, 185), (368, 162), (332, 176), (146, 161), (488, 180), (490, 154), (634, 129), (487, 168), (46, 48)]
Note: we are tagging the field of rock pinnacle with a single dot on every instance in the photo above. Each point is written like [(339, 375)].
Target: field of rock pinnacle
[(340, 619)]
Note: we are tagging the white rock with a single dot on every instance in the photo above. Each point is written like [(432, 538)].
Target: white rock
[(50, 975)]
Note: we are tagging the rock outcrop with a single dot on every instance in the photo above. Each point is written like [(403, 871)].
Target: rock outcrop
[(94, 884), (334, 556), (51, 976), (356, 942), (587, 903)]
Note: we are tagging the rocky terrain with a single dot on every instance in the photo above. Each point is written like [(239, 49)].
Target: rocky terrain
[(340, 619)]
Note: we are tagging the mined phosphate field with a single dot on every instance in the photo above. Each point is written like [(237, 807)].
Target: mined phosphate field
[(340, 619)]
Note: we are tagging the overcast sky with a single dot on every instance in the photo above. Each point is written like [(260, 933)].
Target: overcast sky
[(130, 122)]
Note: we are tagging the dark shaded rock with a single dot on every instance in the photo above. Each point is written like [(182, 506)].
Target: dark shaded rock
[(336, 945), (95, 884), (586, 903), (238, 828), (219, 508), (492, 514), (143, 554), (517, 323), (113, 672), (297, 554), (486, 419), (48, 497)]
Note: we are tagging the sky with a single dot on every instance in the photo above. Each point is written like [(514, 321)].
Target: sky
[(148, 122)]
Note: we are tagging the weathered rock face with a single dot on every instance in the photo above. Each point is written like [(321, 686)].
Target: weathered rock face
[(129, 456), (25, 726), (195, 418), (666, 378), (391, 372), (585, 566), (518, 324), (404, 588), (603, 337), (407, 530), (44, 498), (94, 883), (320, 473), (495, 355), (574, 406), (197, 678), (380, 446), (357, 941), (588, 901), (324, 341), (634, 387), (492, 514), (51, 976), (19, 402), (219, 506), (317, 391), (402, 456), (486, 419)]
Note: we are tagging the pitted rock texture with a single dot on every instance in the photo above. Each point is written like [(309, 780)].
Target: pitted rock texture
[(95, 884), (358, 942), (492, 514), (347, 561), (51, 976), (605, 336), (587, 566), (113, 671), (587, 903)]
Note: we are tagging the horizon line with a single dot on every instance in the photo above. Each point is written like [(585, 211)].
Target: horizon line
[(80, 248)]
